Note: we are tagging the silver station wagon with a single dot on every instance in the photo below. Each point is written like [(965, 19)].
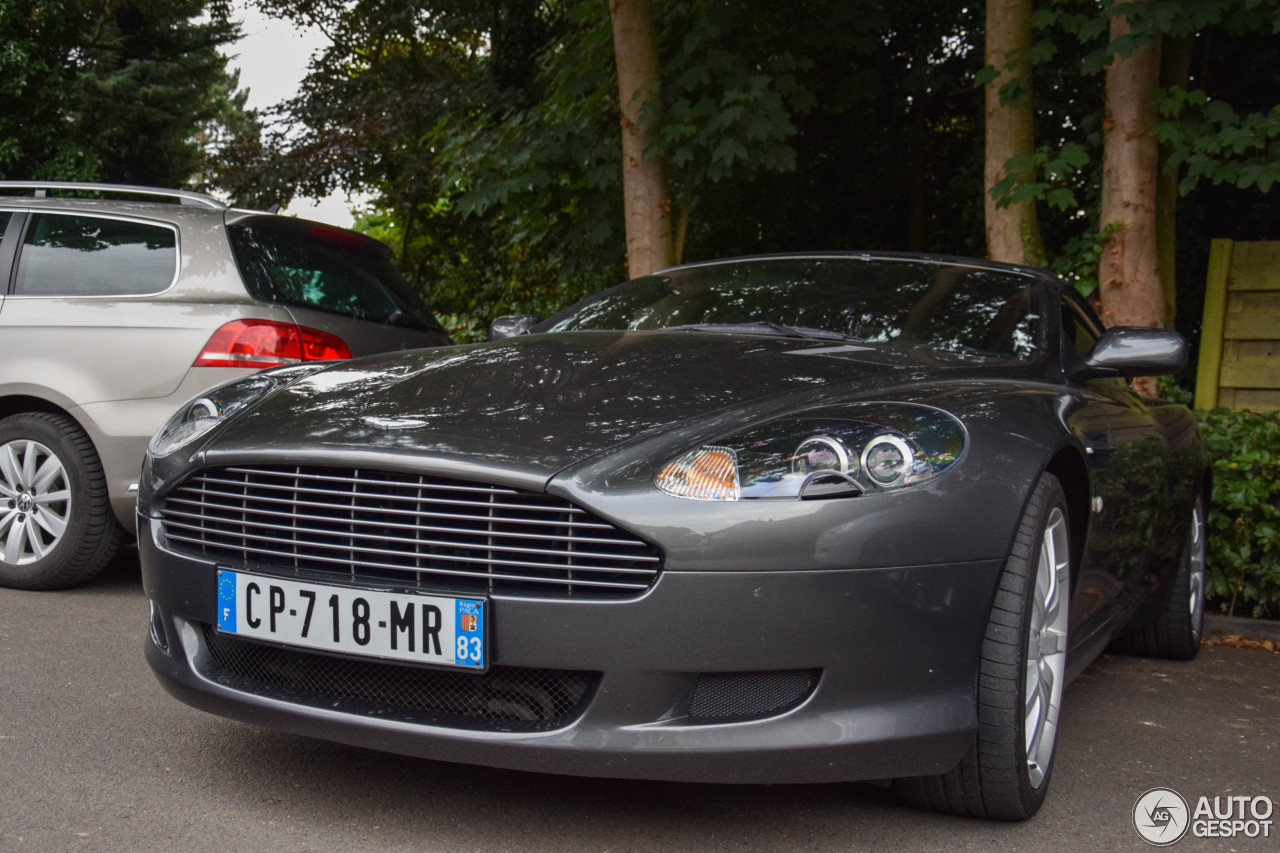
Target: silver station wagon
[(116, 309)]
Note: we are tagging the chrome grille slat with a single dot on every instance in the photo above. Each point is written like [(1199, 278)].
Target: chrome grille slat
[(409, 529), (365, 549), (526, 507), (296, 517), (437, 485), (458, 516), (452, 572)]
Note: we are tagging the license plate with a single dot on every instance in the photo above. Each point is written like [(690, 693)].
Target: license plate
[(431, 629)]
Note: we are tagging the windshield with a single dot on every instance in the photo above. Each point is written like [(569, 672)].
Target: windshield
[(329, 269), (942, 306)]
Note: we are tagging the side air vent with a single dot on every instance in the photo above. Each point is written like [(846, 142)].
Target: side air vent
[(736, 696)]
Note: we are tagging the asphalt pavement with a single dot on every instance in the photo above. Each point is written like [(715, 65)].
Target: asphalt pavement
[(95, 756)]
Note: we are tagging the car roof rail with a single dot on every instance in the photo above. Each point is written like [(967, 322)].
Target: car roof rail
[(41, 190)]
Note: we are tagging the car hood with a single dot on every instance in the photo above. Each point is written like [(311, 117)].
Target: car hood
[(539, 403)]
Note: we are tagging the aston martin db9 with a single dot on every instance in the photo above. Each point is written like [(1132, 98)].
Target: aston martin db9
[(780, 519)]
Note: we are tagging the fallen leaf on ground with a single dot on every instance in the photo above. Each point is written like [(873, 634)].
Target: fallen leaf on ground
[(1236, 641)]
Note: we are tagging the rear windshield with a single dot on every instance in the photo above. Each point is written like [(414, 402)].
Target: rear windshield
[(329, 269)]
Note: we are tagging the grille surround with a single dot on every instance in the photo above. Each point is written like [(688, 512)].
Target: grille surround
[(416, 530), (504, 698)]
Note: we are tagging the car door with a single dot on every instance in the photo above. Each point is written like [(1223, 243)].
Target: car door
[(67, 325), (1128, 472)]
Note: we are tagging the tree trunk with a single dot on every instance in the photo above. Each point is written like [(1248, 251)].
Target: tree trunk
[(644, 187), (918, 157), (1175, 70), (1013, 234), (1129, 272)]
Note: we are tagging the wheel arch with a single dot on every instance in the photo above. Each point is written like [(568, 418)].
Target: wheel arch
[(21, 404), (1072, 472), (17, 404)]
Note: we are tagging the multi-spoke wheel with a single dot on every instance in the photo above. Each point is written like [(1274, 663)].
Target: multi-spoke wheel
[(1005, 774), (1175, 632), (1046, 656), (34, 485), (56, 526)]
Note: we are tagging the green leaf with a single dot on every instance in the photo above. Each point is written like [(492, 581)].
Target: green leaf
[(1043, 51), (727, 151), (986, 76), (1061, 199), (1220, 112)]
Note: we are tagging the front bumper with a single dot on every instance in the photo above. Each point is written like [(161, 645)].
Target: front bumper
[(896, 651)]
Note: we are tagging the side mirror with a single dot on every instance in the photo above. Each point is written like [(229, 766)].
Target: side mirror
[(1133, 351), (511, 326)]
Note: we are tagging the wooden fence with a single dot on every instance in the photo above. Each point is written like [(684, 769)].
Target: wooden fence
[(1240, 340)]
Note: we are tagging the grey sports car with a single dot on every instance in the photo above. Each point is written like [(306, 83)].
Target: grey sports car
[(776, 519)]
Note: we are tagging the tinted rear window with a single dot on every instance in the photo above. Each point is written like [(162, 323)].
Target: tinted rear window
[(328, 269), (71, 255)]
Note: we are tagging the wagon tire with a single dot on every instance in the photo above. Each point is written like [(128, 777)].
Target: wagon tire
[(1005, 773), (57, 529), (1175, 632)]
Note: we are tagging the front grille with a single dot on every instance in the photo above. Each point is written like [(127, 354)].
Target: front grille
[(734, 696), (506, 698), (416, 530)]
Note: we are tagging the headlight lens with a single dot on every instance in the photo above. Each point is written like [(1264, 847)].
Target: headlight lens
[(888, 461), (820, 453), (831, 452), (199, 416)]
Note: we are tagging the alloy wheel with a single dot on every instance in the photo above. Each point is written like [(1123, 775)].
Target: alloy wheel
[(35, 501), (1046, 657), (1195, 558)]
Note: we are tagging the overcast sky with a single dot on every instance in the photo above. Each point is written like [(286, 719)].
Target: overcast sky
[(272, 58)]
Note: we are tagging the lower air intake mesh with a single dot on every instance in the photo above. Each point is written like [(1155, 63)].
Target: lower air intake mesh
[(505, 698), (736, 696)]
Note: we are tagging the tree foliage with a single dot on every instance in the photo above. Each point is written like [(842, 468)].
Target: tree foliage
[(488, 132), (808, 125), (122, 92)]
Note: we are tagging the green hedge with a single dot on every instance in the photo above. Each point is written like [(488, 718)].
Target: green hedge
[(1244, 530)]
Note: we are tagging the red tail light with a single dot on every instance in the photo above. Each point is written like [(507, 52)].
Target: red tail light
[(340, 236), (267, 343)]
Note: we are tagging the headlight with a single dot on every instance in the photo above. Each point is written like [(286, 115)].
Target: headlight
[(831, 452), (214, 406)]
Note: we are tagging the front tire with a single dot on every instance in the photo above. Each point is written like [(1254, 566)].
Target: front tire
[(1005, 774), (56, 525)]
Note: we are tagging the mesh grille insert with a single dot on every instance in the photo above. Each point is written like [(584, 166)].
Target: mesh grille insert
[(417, 530), (735, 696), (505, 698)]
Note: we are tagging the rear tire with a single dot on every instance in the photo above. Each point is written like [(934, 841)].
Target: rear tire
[(1175, 633), (1005, 774), (56, 525)]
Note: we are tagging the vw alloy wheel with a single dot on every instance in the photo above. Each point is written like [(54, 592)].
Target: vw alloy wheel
[(37, 501)]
